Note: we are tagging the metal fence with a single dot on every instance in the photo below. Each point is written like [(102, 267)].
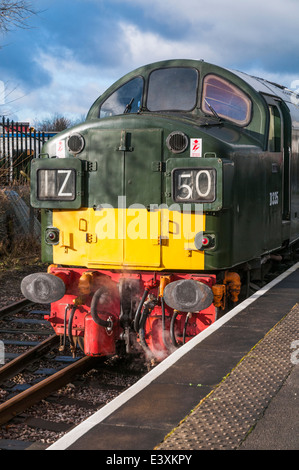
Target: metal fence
[(19, 143)]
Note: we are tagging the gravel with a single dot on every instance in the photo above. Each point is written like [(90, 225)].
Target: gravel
[(11, 278), (79, 399)]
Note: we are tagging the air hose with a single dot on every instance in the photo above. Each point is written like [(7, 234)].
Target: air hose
[(93, 308), (139, 309), (70, 325), (172, 323), (148, 307), (164, 323), (62, 348), (189, 315)]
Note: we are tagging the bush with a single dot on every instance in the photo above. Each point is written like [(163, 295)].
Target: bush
[(19, 225)]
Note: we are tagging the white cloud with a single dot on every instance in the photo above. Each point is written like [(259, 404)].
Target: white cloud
[(142, 47), (254, 36), (228, 15), (73, 88), (145, 47), (227, 31)]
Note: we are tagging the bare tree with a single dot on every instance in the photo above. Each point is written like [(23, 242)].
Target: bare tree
[(55, 123), (15, 13)]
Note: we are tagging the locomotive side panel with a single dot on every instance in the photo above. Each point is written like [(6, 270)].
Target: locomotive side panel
[(294, 182)]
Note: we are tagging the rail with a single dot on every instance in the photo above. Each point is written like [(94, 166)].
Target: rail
[(39, 391)]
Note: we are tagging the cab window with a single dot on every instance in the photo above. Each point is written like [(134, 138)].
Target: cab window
[(126, 99), (226, 100), (172, 89)]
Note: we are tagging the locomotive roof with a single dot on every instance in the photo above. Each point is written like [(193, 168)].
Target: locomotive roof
[(264, 86), (259, 85)]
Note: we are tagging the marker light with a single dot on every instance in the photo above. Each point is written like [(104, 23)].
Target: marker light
[(52, 236), (203, 242)]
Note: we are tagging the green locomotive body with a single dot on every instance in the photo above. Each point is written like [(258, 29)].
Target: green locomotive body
[(182, 170)]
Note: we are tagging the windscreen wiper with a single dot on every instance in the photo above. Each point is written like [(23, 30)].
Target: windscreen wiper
[(129, 106), (213, 110)]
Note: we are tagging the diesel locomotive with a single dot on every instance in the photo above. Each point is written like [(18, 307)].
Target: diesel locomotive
[(158, 209)]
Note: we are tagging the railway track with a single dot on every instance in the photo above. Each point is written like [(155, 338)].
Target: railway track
[(38, 382), (37, 392), (39, 377)]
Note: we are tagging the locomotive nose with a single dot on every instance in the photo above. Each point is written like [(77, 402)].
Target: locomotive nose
[(43, 288), (188, 295)]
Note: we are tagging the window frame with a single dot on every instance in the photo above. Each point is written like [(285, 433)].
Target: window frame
[(116, 90), (242, 123), (177, 110)]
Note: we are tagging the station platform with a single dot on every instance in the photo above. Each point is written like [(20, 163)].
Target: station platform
[(235, 386)]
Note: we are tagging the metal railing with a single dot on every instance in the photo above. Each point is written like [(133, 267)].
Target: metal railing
[(19, 143)]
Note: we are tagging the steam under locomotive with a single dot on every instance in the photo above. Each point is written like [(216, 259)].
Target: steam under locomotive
[(159, 208)]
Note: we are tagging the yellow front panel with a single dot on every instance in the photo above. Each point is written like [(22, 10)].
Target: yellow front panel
[(142, 243), (72, 247), (131, 238), (178, 233)]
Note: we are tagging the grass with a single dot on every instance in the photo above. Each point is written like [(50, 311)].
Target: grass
[(17, 249)]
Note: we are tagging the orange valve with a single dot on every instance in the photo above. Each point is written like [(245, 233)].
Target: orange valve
[(233, 282), (85, 283), (164, 280), (219, 295)]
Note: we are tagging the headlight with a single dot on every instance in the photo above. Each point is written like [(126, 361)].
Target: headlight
[(75, 143), (194, 185), (42, 288), (177, 142), (188, 295)]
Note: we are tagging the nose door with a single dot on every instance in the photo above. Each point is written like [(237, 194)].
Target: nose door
[(142, 190), (124, 192)]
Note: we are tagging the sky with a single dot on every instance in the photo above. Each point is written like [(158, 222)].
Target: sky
[(74, 50)]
